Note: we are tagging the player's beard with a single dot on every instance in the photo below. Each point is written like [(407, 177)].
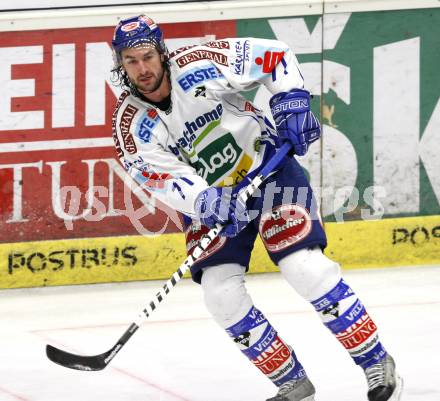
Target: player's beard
[(153, 83)]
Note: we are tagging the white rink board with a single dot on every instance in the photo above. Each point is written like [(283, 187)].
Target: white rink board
[(181, 355), (165, 12), (36, 4)]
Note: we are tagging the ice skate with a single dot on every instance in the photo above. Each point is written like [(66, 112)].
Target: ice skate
[(384, 384), (295, 390)]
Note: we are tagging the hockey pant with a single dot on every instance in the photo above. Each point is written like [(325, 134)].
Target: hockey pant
[(318, 280)]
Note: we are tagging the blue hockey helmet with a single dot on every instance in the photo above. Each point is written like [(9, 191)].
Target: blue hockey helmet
[(134, 32)]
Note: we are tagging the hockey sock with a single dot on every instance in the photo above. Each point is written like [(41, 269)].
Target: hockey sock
[(343, 313), (260, 342)]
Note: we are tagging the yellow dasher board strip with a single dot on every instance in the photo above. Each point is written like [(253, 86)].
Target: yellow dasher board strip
[(356, 244), (388, 242), (89, 260)]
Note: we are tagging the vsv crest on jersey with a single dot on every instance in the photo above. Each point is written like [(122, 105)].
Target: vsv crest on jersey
[(284, 226), (198, 75), (200, 91)]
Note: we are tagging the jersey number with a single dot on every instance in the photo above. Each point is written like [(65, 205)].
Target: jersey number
[(177, 187)]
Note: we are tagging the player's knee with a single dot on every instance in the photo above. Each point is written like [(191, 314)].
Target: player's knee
[(310, 272), (225, 294)]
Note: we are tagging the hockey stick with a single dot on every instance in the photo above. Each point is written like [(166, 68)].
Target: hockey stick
[(99, 362)]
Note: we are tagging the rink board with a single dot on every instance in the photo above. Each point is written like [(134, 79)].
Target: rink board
[(356, 244)]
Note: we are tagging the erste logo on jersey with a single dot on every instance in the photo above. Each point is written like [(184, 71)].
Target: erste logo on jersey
[(266, 61), (145, 126), (198, 75), (284, 225)]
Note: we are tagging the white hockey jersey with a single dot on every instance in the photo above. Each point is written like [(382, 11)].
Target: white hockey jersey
[(211, 135)]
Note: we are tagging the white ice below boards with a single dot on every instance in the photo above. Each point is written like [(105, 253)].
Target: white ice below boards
[(181, 355)]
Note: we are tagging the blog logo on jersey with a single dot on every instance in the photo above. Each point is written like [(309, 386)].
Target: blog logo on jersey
[(215, 160), (284, 225), (266, 61), (222, 160), (242, 57)]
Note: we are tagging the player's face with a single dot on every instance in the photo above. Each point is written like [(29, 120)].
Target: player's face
[(144, 68)]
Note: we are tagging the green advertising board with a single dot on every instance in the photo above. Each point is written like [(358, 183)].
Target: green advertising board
[(378, 73)]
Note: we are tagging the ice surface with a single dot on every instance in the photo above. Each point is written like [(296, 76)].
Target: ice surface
[(181, 355)]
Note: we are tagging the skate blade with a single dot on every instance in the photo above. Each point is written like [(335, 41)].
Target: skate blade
[(398, 390), (311, 398)]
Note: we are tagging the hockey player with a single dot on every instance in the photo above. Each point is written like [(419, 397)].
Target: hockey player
[(185, 133)]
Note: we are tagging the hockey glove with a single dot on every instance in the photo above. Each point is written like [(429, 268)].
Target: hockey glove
[(294, 120), (219, 205)]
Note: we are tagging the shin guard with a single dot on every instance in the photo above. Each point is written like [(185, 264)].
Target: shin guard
[(343, 313), (260, 342)]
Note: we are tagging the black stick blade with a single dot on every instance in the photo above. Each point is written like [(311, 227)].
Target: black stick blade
[(79, 362)]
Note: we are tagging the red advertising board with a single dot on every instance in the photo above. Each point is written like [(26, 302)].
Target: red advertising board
[(59, 177)]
